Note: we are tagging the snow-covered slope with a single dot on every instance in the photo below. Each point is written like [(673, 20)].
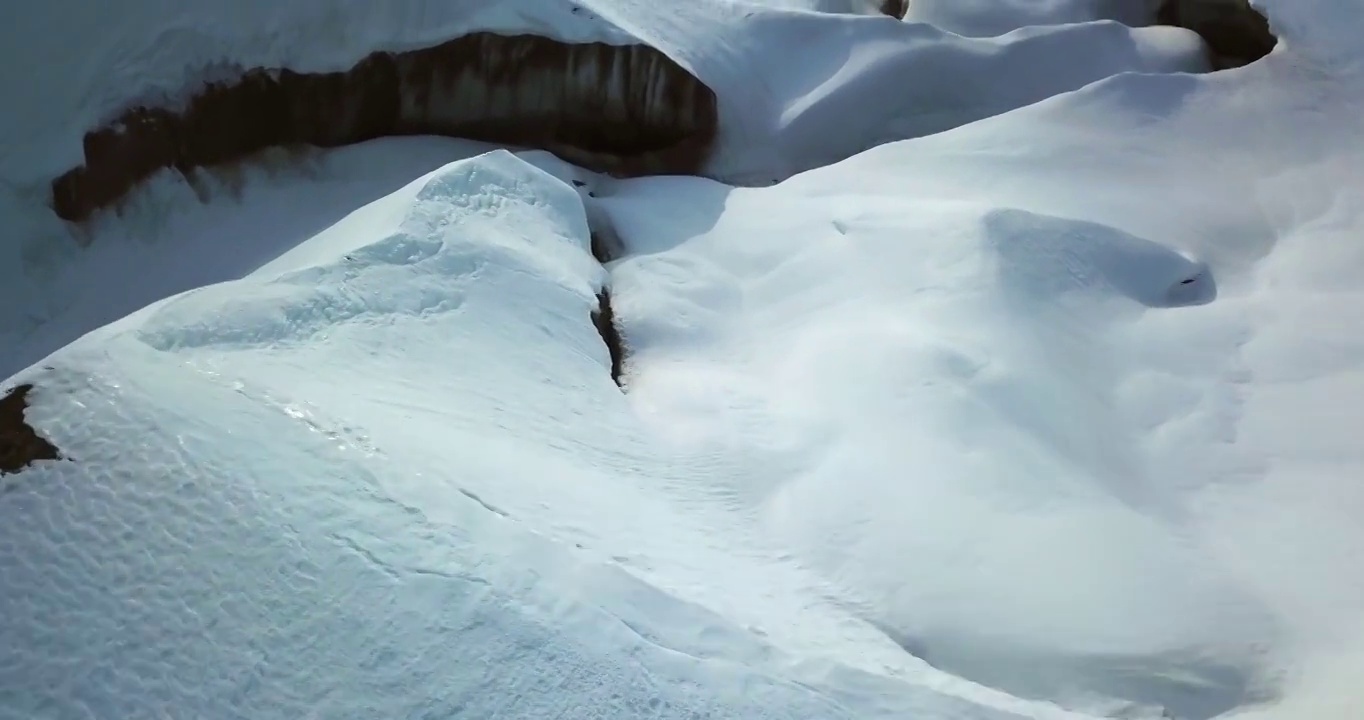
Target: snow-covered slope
[(857, 82), (425, 498), (1051, 410), (1036, 468)]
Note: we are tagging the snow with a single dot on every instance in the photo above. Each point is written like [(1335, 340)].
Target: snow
[(988, 18), (1047, 413), (484, 258), (1322, 32)]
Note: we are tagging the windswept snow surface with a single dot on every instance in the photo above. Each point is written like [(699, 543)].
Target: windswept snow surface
[(1053, 410)]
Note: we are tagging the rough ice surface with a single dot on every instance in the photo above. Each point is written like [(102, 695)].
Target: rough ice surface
[(1048, 415)]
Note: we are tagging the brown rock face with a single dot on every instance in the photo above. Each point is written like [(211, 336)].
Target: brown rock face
[(627, 110), (20, 444), (1236, 33)]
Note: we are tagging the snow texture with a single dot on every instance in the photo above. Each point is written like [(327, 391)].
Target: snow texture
[(1050, 414)]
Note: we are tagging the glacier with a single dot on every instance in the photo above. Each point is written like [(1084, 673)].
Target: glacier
[(964, 382)]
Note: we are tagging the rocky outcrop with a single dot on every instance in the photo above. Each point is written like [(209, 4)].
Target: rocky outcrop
[(895, 8), (1236, 33), (20, 444), (626, 110), (606, 247), (604, 319)]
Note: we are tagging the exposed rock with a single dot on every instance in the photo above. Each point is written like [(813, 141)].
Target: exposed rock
[(1236, 33), (626, 110), (20, 444), (605, 321), (895, 8)]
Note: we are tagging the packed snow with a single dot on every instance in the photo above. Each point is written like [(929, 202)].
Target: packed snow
[(1046, 411)]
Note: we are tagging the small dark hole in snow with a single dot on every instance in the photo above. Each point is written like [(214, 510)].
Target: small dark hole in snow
[(20, 444), (605, 321), (1188, 281)]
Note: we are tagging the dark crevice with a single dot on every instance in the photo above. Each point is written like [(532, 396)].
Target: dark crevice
[(599, 249), (606, 247), (624, 110), (20, 444), (605, 320), (1236, 33)]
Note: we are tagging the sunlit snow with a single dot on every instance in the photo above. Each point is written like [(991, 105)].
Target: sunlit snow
[(1049, 411)]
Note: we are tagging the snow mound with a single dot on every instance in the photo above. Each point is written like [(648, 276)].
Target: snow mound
[(334, 494), (1043, 256)]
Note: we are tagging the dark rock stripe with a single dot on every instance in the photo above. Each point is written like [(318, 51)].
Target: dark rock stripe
[(604, 319), (626, 110)]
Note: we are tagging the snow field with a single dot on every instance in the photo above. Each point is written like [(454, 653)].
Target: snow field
[(1059, 402)]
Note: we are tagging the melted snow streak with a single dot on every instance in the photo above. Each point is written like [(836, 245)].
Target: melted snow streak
[(20, 444), (627, 110)]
